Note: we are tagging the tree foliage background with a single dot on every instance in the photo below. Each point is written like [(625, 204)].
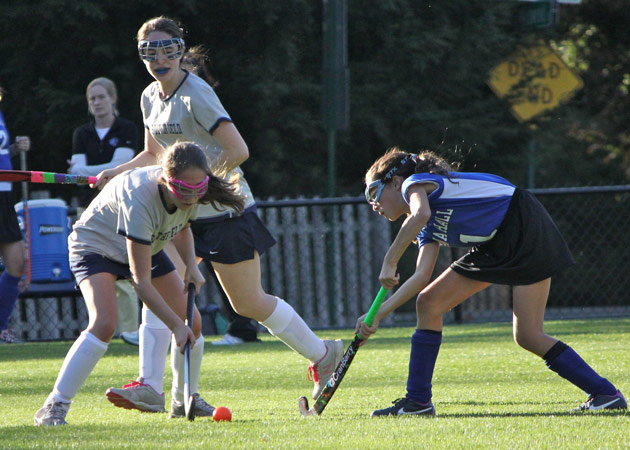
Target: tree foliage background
[(418, 68)]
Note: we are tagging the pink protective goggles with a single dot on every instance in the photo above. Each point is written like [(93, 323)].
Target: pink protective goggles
[(185, 191)]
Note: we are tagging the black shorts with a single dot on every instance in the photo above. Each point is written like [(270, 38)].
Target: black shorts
[(83, 266), (9, 226), (526, 249), (231, 240)]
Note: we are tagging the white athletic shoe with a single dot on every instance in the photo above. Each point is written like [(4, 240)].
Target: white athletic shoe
[(228, 339), (52, 414), (136, 395), (321, 371), (201, 408)]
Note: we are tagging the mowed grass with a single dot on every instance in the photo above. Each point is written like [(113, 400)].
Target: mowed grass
[(488, 394)]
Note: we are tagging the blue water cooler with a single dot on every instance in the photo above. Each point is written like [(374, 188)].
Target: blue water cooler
[(48, 225)]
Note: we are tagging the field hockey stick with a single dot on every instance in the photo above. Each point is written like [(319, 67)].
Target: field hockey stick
[(335, 379), (45, 177), (189, 400), (27, 220)]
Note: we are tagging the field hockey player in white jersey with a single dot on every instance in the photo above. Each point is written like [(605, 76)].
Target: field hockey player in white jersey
[(512, 241), (179, 105), (122, 235)]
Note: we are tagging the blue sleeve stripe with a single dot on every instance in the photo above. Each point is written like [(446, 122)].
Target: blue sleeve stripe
[(218, 122), (134, 239)]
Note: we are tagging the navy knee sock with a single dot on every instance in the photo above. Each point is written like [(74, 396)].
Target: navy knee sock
[(563, 360), (425, 345), (8, 297)]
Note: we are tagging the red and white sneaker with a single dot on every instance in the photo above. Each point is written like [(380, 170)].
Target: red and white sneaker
[(136, 395), (322, 370)]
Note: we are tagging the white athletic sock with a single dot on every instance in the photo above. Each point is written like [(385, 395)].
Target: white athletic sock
[(177, 365), (290, 328), (77, 366), (155, 338)]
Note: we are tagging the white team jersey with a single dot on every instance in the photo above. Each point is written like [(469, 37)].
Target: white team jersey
[(129, 207), (464, 212), (191, 113)]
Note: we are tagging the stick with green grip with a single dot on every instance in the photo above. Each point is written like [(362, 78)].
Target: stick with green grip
[(342, 367)]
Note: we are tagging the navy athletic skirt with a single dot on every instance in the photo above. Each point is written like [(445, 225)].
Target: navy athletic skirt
[(526, 249), (82, 266), (9, 227), (231, 240)]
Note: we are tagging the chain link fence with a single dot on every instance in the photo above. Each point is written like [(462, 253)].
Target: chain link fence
[(329, 253)]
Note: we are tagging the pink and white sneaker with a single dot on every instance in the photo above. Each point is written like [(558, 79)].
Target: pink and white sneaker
[(136, 395), (322, 370)]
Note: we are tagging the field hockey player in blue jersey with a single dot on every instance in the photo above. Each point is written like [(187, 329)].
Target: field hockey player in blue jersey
[(512, 241)]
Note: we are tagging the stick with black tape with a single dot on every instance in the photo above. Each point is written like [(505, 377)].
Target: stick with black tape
[(189, 399), (342, 367)]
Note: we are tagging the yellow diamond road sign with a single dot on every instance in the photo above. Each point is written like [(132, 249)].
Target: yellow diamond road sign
[(534, 79)]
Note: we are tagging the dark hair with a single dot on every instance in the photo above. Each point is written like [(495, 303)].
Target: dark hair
[(197, 61), (161, 23), (398, 162), (221, 192)]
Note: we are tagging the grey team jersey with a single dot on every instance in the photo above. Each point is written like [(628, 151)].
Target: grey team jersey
[(191, 113), (130, 206)]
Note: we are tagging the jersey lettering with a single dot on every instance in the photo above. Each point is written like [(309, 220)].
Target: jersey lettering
[(166, 128), (167, 235)]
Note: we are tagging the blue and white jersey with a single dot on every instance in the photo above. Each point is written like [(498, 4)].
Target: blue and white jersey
[(464, 212), (5, 156)]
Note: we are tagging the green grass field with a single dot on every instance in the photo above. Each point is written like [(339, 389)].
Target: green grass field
[(488, 394)]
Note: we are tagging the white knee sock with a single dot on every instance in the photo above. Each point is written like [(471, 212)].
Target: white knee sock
[(290, 328), (177, 365), (155, 338), (79, 363)]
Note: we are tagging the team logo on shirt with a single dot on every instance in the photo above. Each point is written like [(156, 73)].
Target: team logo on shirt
[(4, 138), (166, 128), (114, 142)]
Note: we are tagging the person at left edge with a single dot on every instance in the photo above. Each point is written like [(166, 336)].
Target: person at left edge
[(11, 243), (110, 242)]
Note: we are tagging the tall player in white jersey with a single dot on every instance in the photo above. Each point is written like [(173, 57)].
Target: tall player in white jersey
[(512, 241), (181, 106), (122, 235)]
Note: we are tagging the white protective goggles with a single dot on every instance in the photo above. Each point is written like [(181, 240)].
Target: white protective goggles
[(172, 49)]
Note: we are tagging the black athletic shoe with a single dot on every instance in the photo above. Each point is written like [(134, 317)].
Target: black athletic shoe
[(601, 401), (406, 407)]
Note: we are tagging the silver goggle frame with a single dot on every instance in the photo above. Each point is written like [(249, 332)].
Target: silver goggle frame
[(173, 49)]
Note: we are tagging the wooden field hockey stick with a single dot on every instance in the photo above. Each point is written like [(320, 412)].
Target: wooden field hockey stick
[(335, 379), (44, 177), (189, 399)]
